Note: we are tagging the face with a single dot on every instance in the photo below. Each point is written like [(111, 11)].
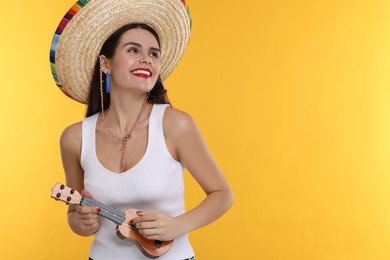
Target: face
[(136, 63)]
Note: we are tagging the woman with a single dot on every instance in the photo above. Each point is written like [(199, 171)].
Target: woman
[(131, 149)]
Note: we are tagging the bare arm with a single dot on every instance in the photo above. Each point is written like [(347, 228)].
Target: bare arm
[(194, 155), (82, 220), (186, 144)]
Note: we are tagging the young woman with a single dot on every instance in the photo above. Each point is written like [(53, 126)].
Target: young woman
[(131, 149)]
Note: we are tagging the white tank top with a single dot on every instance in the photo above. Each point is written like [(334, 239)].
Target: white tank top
[(154, 183)]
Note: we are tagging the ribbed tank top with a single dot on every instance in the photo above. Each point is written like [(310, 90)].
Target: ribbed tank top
[(154, 183)]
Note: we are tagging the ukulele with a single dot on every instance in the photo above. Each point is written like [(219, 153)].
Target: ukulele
[(150, 248)]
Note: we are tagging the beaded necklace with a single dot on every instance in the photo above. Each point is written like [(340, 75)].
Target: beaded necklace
[(127, 136)]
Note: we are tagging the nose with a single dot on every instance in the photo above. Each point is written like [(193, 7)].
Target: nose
[(146, 59)]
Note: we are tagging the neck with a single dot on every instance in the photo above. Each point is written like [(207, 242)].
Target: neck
[(124, 110)]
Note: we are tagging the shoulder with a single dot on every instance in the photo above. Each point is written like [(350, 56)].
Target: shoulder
[(71, 137), (185, 137), (178, 123)]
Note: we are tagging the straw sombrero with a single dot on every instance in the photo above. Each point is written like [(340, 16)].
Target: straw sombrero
[(88, 24)]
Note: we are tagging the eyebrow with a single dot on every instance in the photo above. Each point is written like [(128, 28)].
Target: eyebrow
[(140, 46)]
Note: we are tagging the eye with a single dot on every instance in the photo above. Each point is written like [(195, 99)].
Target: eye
[(132, 50), (154, 54)]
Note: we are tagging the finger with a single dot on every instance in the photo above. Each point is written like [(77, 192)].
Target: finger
[(148, 212), (86, 194), (145, 218), (149, 232), (136, 221), (87, 209), (159, 235), (153, 237), (89, 216), (89, 222), (146, 225)]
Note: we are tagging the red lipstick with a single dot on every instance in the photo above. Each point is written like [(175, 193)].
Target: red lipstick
[(142, 72)]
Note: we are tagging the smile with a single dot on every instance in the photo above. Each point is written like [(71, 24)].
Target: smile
[(141, 72)]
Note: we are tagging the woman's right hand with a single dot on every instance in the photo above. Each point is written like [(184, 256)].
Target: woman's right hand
[(83, 220), (86, 220)]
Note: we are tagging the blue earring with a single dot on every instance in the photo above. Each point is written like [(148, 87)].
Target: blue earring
[(107, 82)]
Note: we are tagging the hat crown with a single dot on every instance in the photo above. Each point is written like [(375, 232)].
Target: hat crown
[(89, 23)]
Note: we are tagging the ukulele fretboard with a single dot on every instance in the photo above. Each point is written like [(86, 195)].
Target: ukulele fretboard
[(112, 214)]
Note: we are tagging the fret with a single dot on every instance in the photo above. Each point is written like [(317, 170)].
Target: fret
[(112, 214)]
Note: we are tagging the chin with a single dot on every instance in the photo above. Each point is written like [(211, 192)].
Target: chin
[(140, 87), (145, 89)]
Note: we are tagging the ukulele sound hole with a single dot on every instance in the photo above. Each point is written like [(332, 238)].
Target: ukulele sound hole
[(158, 243), (134, 228)]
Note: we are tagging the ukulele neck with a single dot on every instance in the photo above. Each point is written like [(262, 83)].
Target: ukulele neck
[(107, 212)]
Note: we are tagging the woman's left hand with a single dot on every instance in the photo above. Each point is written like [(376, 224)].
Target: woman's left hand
[(156, 225)]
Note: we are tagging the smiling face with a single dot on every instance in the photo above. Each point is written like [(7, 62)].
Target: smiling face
[(136, 62)]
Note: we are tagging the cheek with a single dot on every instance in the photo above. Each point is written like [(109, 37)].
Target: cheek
[(119, 74), (158, 68), (122, 61), (121, 67)]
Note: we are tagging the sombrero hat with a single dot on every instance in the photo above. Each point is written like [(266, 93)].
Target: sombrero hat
[(88, 24)]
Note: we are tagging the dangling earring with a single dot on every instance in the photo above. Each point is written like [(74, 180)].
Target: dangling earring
[(108, 82)]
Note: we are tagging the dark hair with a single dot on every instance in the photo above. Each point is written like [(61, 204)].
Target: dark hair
[(158, 95)]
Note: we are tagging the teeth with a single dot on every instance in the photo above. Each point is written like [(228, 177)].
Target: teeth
[(141, 72)]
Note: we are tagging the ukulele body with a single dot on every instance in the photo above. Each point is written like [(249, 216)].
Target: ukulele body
[(150, 248)]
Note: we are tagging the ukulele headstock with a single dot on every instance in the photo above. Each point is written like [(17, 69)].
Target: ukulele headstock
[(65, 194)]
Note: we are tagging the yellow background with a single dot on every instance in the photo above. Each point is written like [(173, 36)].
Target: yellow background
[(293, 100)]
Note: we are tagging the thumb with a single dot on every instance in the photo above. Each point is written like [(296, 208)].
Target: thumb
[(86, 194)]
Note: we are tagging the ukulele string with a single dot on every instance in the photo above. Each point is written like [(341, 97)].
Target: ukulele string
[(119, 217), (113, 214), (89, 202)]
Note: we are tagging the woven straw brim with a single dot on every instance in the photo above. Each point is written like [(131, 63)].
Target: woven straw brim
[(77, 48)]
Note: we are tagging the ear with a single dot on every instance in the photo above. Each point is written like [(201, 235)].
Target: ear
[(104, 64)]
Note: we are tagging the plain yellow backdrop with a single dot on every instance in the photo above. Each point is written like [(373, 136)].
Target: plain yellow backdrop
[(292, 98)]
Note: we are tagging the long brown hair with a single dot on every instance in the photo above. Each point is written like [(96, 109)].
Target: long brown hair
[(158, 95)]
